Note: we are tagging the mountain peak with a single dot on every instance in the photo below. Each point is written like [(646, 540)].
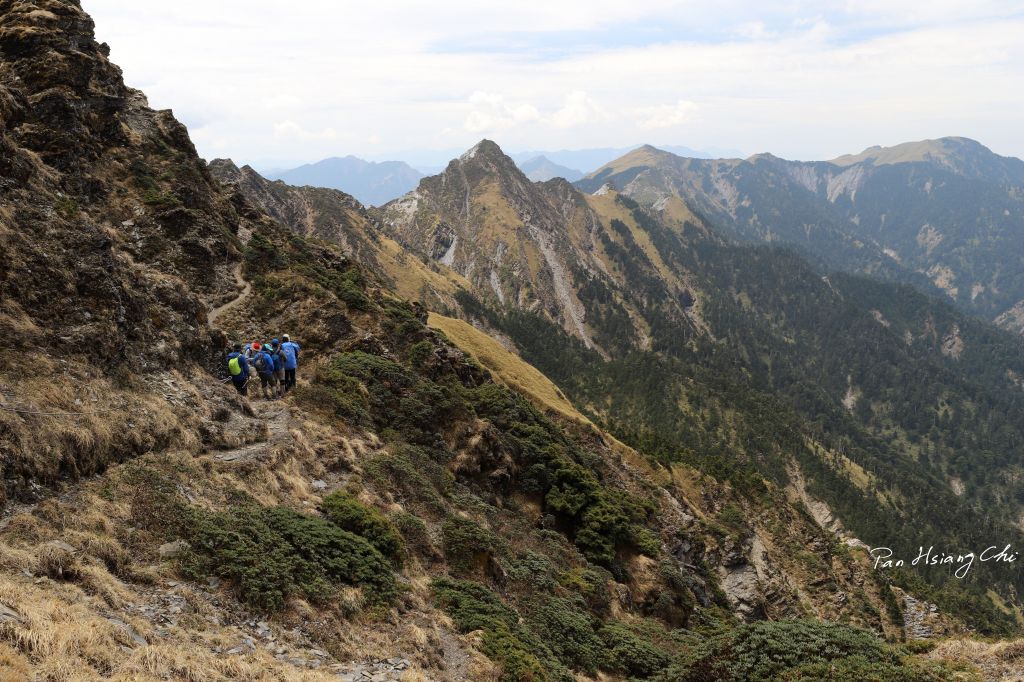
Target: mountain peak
[(943, 150), (485, 148), (960, 155), (541, 168)]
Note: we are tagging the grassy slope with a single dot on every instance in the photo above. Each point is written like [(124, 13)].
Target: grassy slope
[(506, 365)]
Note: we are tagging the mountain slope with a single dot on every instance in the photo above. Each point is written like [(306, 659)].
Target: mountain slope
[(371, 182), (942, 214), (538, 247), (400, 514), (693, 348), (540, 169), (336, 217), (114, 241)]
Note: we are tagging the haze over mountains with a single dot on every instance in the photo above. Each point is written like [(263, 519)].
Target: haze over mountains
[(539, 433), (371, 182), (376, 182), (948, 210)]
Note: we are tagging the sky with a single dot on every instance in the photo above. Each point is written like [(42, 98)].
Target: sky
[(275, 84)]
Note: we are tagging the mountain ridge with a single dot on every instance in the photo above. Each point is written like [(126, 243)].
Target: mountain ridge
[(941, 214), (404, 511), (372, 182)]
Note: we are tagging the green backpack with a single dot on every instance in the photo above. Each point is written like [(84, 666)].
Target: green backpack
[(234, 366)]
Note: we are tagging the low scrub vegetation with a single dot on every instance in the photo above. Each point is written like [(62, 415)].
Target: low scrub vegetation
[(348, 513), (271, 554)]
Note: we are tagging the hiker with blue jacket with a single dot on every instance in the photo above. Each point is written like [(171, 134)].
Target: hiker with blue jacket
[(238, 368), (264, 366), (277, 355), (290, 350)]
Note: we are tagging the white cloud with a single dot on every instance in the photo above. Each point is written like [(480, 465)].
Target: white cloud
[(491, 113), (666, 115), (293, 130), (755, 30), (802, 79), (577, 109)]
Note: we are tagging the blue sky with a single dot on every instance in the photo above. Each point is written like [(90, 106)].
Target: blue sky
[(275, 85)]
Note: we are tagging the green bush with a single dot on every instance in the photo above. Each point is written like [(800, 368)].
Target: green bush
[(352, 295), (858, 669), (66, 207), (568, 632), (348, 513), (415, 534), (532, 571), (627, 653), (522, 657), (467, 544), (342, 397), (398, 398), (262, 254), (592, 585), (420, 353), (413, 473), (271, 553), (796, 650)]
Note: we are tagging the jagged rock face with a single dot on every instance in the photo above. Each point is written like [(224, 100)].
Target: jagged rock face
[(945, 214), (486, 220), (541, 247), (110, 226), (317, 212)]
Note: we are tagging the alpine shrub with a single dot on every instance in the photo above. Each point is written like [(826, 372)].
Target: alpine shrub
[(273, 553), (348, 513)]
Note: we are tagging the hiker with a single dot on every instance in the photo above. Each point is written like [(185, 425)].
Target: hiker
[(238, 368), (290, 349), (264, 366), (279, 362)]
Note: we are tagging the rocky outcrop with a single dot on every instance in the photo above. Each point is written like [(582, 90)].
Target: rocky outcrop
[(540, 247), (114, 234), (327, 214)]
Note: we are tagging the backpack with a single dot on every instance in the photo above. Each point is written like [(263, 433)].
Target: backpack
[(234, 366), (262, 364)]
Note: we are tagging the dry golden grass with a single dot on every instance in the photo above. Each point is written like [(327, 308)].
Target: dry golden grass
[(1002, 661), (412, 277), (73, 424), (183, 662), (506, 366)]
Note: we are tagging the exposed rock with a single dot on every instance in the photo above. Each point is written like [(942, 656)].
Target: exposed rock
[(9, 615), (132, 632), (173, 549)]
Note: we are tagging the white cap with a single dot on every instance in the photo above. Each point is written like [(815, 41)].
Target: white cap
[(285, 336)]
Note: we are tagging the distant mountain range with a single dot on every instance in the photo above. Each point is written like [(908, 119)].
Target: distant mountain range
[(948, 211), (541, 168), (375, 183), (587, 160), (371, 182)]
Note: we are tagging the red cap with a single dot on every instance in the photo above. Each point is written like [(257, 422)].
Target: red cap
[(256, 345)]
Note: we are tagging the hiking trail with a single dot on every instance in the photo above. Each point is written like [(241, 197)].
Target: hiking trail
[(217, 312), (276, 417)]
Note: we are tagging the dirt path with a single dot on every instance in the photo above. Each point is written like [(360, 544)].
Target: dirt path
[(276, 416), (216, 313)]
